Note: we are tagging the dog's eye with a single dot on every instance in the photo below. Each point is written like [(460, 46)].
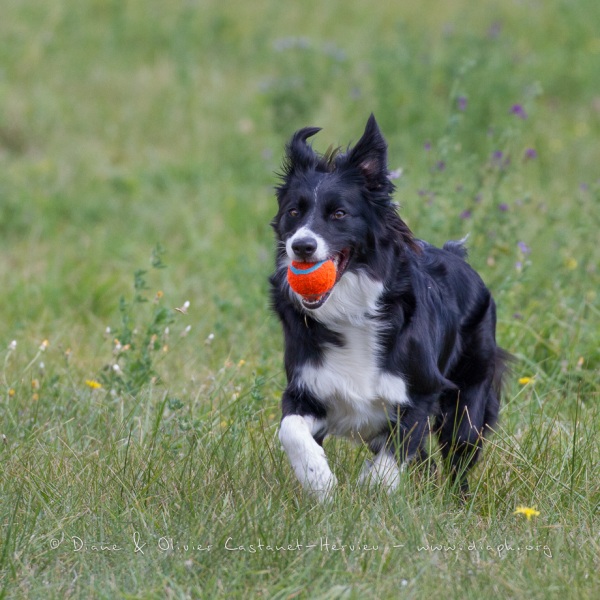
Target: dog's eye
[(339, 214), (293, 212)]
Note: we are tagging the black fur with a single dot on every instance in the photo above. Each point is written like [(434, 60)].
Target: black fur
[(439, 318)]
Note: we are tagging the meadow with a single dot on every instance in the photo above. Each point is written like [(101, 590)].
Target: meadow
[(140, 366)]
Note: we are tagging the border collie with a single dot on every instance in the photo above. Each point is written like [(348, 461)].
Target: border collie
[(404, 343)]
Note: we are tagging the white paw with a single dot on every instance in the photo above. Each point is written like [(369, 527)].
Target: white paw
[(322, 489), (382, 471), (307, 457)]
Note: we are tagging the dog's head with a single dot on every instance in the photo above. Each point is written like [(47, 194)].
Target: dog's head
[(335, 205)]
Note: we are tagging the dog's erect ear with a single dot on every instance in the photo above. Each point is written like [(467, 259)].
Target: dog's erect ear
[(369, 155), (299, 153)]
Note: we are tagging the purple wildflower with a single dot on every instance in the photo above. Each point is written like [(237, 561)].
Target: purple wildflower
[(428, 195), (465, 214), (462, 103), (495, 29), (524, 248), (518, 111), (355, 93), (440, 165), (530, 153), (503, 207), (499, 160), (427, 146), (584, 187), (396, 174)]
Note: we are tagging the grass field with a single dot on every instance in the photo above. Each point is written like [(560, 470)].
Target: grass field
[(139, 142)]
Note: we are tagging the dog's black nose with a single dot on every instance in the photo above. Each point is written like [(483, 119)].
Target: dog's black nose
[(304, 247)]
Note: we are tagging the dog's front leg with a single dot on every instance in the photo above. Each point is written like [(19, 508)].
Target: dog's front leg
[(382, 470), (306, 455)]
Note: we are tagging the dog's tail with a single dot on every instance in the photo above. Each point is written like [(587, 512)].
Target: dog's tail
[(457, 247), (502, 368)]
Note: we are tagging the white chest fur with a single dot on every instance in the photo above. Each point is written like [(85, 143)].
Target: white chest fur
[(359, 396)]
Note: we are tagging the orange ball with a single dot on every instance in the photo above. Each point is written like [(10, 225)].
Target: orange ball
[(312, 280)]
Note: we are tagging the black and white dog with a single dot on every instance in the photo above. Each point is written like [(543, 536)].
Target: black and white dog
[(404, 343)]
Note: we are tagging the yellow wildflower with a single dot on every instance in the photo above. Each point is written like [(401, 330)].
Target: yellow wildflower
[(93, 384), (571, 264), (525, 380), (11, 392), (528, 512)]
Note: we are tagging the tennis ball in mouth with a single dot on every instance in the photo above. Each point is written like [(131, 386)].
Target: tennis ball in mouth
[(312, 280)]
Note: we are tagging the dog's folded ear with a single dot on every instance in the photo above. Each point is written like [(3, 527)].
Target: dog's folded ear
[(300, 154), (369, 156)]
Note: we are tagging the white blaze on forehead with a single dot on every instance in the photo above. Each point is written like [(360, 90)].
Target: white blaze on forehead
[(322, 252), (316, 190)]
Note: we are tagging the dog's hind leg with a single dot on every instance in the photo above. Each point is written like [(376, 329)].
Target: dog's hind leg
[(465, 417), (469, 412), (412, 428)]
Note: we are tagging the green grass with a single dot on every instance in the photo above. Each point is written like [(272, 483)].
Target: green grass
[(131, 126)]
